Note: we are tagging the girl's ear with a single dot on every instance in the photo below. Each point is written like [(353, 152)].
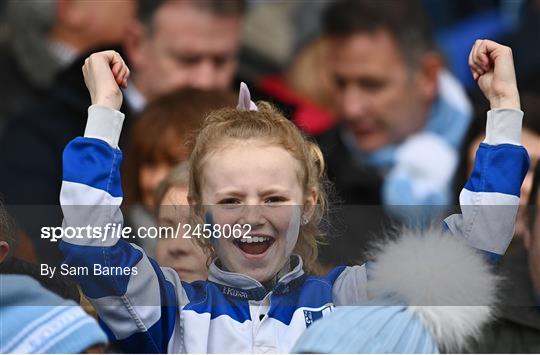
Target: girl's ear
[(310, 204)]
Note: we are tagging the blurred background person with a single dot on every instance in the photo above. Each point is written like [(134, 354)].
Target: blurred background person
[(158, 141), (45, 37), (11, 265), (303, 90), (403, 118), (187, 43), (170, 44), (34, 138), (517, 329), (284, 54), (184, 255)]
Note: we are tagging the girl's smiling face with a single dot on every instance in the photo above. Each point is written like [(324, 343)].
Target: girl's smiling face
[(256, 183)]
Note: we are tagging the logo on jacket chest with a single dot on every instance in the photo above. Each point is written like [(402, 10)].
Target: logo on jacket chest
[(311, 316), (230, 291)]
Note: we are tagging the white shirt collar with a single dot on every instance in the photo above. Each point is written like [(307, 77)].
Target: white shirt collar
[(134, 98), (62, 52)]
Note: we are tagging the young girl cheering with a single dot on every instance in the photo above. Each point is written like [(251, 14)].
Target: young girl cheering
[(252, 168)]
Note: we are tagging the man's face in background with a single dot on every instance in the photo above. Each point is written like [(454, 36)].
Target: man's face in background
[(378, 94), (186, 46), (105, 22)]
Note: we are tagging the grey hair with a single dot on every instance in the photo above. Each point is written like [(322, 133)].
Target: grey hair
[(28, 23)]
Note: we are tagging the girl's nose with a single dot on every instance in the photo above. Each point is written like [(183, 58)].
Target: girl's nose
[(252, 216), (175, 253), (179, 249)]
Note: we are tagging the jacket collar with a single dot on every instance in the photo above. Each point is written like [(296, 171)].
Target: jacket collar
[(245, 287)]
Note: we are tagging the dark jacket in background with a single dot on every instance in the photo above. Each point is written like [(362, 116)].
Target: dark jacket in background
[(356, 214), (17, 92), (517, 329), (31, 157)]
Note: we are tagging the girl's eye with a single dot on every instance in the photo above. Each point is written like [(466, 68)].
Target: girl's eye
[(275, 199), (229, 201)]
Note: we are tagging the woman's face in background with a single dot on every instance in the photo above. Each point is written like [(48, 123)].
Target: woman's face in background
[(150, 176), (171, 152), (183, 255)]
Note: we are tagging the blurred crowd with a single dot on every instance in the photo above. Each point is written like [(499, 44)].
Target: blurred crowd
[(382, 86)]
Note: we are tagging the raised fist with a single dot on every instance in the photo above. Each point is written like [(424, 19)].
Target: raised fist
[(492, 66), (104, 74)]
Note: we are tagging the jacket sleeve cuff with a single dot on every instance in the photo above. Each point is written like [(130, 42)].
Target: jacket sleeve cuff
[(503, 126), (104, 123)]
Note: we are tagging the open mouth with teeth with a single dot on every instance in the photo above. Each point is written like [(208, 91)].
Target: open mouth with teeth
[(255, 245)]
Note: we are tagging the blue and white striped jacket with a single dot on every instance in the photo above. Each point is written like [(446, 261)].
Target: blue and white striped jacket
[(154, 311)]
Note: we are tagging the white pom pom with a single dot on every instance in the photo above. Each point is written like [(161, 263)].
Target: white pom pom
[(446, 283)]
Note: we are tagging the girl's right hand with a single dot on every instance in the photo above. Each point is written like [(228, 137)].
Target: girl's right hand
[(104, 74)]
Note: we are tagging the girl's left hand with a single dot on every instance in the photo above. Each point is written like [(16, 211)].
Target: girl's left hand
[(104, 74), (492, 66)]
